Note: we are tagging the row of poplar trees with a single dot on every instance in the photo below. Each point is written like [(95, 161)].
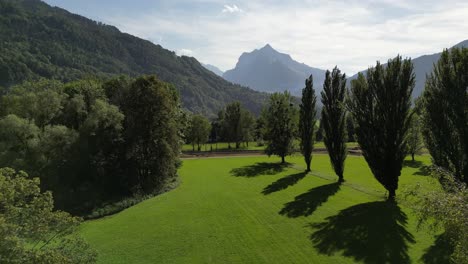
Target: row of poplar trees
[(380, 105)]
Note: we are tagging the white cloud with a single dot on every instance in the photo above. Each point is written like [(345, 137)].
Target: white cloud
[(185, 52), (319, 33), (232, 9)]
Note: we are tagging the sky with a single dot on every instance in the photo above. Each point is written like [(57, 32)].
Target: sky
[(350, 34)]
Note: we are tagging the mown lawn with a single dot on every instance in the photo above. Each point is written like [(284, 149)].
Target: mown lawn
[(253, 210), (251, 146)]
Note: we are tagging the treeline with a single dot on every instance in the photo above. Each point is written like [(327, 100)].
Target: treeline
[(90, 141)]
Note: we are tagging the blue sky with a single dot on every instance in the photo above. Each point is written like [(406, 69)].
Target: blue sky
[(350, 34)]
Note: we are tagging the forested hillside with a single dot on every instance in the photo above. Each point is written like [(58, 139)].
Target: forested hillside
[(42, 41)]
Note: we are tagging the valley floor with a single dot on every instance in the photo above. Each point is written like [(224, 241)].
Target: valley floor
[(254, 210)]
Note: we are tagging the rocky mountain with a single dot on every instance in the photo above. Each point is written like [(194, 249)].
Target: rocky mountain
[(268, 70), (214, 69), (423, 66), (40, 41)]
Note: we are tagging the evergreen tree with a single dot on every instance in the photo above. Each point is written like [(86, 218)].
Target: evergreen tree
[(380, 105), (334, 119), (445, 113), (307, 120), (281, 123)]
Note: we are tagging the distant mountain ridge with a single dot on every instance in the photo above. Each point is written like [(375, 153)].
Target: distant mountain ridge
[(423, 66), (40, 41), (268, 70), (214, 69)]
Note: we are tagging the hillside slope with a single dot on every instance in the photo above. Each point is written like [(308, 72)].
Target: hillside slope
[(43, 41)]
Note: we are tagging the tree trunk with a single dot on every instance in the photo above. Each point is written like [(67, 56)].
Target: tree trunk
[(282, 159), (340, 178), (412, 156), (391, 195), (308, 167), (193, 147)]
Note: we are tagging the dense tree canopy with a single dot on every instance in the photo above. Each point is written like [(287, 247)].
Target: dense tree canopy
[(380, 105), (445, 113), (91, 142)]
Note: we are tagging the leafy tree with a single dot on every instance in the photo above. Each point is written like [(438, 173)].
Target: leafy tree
[(151, 133), (232, 123), (247, 126), (334, 119), (445, 210), (31, 231), (281, 122), (307, 120), (445, 113), (350, 130), (199, 131), (380, 105), (415, 141), (40, 102)]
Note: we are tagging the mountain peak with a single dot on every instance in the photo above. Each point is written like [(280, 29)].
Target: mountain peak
[(267, 47)]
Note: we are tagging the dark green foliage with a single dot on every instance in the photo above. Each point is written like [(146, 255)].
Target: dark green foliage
[(31, 231), (445, 113), (41, 41), (281, 124), (350, 130), (334, 119), (380, 105), (93, 143), (307, 121), (152, 142), (319, 134), (232, 123)]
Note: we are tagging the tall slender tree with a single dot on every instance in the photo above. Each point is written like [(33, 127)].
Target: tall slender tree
[(445, 113), (334, 119), (307, 114), (380, 105)]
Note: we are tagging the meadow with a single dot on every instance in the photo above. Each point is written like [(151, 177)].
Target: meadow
[(255, 210), (252, 146)]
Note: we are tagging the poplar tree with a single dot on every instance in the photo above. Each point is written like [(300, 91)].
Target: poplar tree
[(445, 113), (307, 114), (334, 119), (380, 105)]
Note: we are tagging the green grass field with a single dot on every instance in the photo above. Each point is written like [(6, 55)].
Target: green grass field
[(253, 210), (252, 146)]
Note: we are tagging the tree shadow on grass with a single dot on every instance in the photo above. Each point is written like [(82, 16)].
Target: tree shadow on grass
[(260, 168), (439, 252), (284, 183), (306, 203), (412, 164), (371, 232), (423, 171)]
